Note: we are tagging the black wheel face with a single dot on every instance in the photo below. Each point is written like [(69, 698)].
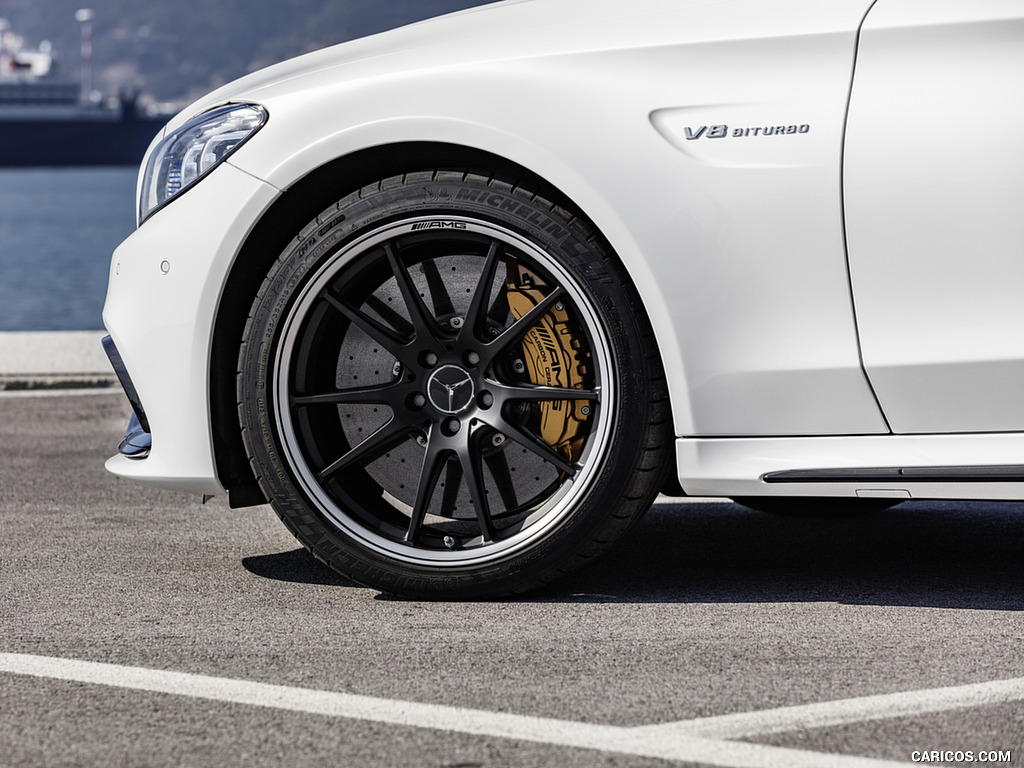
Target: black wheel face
[(443, 391)]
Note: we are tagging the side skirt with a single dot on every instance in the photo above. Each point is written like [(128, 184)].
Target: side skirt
[(970, 466)]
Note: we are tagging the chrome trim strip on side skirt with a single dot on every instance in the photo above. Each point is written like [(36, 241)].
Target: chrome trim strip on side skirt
[(981, 474)]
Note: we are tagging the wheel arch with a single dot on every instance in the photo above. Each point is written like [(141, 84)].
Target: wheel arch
[(268, 238)]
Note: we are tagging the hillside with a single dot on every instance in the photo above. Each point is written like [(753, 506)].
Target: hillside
[(173, 50)]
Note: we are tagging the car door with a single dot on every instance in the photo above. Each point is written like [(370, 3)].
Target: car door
[(934, 198)]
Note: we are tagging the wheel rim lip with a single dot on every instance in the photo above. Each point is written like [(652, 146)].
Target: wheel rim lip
[(550, 512)]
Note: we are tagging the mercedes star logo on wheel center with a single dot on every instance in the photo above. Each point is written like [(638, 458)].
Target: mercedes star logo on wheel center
[(450, 389)]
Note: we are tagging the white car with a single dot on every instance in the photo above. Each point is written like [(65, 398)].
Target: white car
[(460, 298)]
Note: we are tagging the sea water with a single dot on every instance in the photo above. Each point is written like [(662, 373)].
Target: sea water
[(58, 228)]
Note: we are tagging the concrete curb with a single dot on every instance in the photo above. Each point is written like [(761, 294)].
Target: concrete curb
[(53, 360)]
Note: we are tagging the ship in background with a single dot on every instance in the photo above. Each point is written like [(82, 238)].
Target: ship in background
[(48, 121)]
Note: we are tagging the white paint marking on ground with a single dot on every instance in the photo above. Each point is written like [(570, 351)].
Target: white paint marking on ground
[(664, 744), (843, 711)]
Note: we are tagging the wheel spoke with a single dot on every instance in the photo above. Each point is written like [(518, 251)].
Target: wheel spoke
[(382, 439), (423, 322), (439, 296), (518, 329), (383, 394), (474, 476), (390, 316), (452, 483), (386, 337), (539, 447), (477, 313), (498, 313), (497, 463), (434, 461), (539, 393)]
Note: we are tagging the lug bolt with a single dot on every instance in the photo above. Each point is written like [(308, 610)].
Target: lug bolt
[(430, 359), (486, 399), (452, 427), (473, 358), (419, 400)]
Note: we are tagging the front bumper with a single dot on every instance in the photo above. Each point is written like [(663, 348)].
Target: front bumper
[(165, 286)]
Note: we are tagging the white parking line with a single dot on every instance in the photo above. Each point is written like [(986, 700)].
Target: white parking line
[(683, 741), (844, 711)]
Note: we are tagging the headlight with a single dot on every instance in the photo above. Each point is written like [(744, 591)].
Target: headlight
[(182, 158)]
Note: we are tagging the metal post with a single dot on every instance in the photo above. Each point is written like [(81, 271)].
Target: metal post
[(85, 17)]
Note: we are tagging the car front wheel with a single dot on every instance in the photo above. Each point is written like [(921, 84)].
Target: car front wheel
[(448, 388)]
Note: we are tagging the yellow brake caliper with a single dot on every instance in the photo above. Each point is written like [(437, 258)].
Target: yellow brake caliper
[(554, 356)]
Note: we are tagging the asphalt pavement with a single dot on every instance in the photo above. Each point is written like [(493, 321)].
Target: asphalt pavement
[(141, 627)]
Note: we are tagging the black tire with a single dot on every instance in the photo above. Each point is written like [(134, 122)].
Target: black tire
[(448, 389), (814, 506)]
